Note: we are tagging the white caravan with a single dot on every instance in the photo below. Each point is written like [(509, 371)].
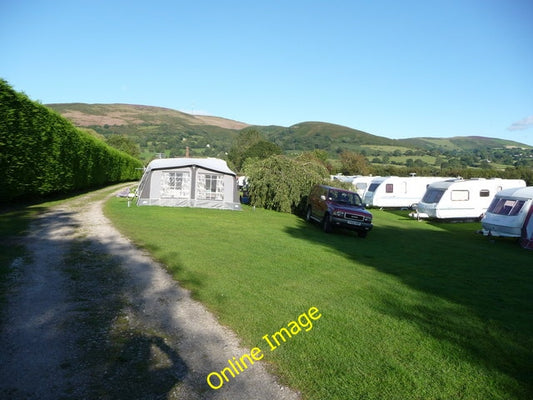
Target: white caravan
[(398, 192), (361, 184), (507, 212), (343, 178), (461, 198)]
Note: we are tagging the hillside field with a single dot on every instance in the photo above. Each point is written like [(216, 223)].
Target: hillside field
[(415, 311)]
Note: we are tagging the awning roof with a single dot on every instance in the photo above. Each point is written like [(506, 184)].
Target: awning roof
[(213, 164), (519, 192)]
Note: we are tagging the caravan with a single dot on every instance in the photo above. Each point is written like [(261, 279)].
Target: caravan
[(461, 198), (507, 212), (397, 192), (361, 184)]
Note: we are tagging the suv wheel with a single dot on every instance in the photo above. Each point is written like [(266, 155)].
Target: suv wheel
[(362, 234), (326, 223)]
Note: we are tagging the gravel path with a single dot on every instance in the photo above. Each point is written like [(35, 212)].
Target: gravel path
[(90, 316)]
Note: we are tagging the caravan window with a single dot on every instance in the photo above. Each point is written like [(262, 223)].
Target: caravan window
[(460, 195), (389, 188), (484, 193), (506, 206), (210, 187), (373, 187), (432, 196), (175, 185)]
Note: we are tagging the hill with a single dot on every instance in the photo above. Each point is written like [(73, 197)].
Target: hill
[(461, 143), (155, 129), (163, 130), (128, 114), (321, 135)]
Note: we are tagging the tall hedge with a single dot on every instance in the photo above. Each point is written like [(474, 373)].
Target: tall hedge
[(43, 153)]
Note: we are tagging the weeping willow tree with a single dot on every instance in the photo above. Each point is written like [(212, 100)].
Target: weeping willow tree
[(282, 184)]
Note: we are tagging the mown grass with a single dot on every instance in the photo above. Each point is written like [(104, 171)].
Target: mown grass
[(414, 311)]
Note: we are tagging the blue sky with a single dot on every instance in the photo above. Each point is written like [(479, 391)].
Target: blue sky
[(391, 68)]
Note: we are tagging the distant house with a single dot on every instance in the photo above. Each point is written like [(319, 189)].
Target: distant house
[(189, 182)]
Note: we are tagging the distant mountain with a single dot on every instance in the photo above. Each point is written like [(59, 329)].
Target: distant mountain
[(163, 130), (127, 114), (461, 143), (155, 129), (322, 135)]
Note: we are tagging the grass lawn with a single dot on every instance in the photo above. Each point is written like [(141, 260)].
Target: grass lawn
[(414, 311)]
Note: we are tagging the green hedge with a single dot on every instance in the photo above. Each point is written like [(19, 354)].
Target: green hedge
[(43, 153)]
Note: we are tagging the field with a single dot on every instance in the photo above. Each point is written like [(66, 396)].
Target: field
[(414, 311)]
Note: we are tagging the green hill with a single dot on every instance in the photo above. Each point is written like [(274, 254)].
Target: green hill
[(155, 129), (462, 143), (320, 135), (163, 130)]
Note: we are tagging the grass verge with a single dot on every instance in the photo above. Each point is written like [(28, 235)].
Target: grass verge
[(414, 311)]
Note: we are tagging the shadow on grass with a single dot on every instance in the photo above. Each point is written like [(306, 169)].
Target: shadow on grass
[(450, 265), (194, 281)]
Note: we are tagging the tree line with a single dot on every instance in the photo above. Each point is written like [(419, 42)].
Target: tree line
[(42, 153)]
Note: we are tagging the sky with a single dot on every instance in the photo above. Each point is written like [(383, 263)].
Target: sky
[(398, 69)]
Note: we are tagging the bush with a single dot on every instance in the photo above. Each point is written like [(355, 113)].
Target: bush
[(283, 184)]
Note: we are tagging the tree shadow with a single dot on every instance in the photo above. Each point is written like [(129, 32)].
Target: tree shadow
[(127, 355), (78, 317), (450, 264), (146, 366)]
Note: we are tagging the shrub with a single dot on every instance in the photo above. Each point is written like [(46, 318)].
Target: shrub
[(283, 184)]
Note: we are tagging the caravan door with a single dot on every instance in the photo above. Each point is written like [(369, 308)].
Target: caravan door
[(527, 231)]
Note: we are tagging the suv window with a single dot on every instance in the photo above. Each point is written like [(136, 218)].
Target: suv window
[(342, 197)]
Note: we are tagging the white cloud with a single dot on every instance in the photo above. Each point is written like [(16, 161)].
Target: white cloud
[(522, 124)]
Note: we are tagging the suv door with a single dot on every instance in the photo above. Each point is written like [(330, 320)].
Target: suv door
[(321, 205)]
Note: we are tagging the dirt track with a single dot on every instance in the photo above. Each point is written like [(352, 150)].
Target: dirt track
[(90, 316)]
